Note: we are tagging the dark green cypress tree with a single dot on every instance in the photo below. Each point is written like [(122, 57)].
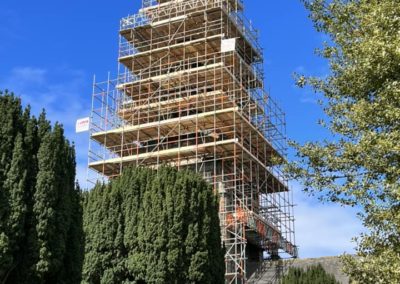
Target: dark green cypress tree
[(53, 207), (95, 250), (176, 206), (73, 259), (10, 125), (103, 223), (45, 197), (114, 229), (40, 210), (44, 126), (14, 188), (28, 254), (169, 227), (136, 182)]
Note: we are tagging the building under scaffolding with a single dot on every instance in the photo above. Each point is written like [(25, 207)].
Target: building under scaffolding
[(190, 94)]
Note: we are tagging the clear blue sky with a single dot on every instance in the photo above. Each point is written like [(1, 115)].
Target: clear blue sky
[(50, 50)]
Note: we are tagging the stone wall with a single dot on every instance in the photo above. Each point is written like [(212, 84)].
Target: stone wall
[(332, 265), (271, 271)]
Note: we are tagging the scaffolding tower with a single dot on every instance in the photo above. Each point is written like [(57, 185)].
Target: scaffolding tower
[(190, 94)]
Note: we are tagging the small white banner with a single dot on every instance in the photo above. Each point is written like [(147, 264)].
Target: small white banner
[(138, 144), (228, 45), (82, 125)]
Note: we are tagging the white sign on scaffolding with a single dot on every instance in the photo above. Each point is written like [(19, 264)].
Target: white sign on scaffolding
[(82, 125), (228, 45)]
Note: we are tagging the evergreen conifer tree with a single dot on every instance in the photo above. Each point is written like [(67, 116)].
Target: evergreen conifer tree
[(40, 211), (153, 227), (14, 188)]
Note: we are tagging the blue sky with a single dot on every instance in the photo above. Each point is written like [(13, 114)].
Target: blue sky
[(50, 50)]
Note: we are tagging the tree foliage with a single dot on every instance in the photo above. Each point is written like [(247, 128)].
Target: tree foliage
[(312, 275), (41, 232), (361, 98), (152, 226)]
